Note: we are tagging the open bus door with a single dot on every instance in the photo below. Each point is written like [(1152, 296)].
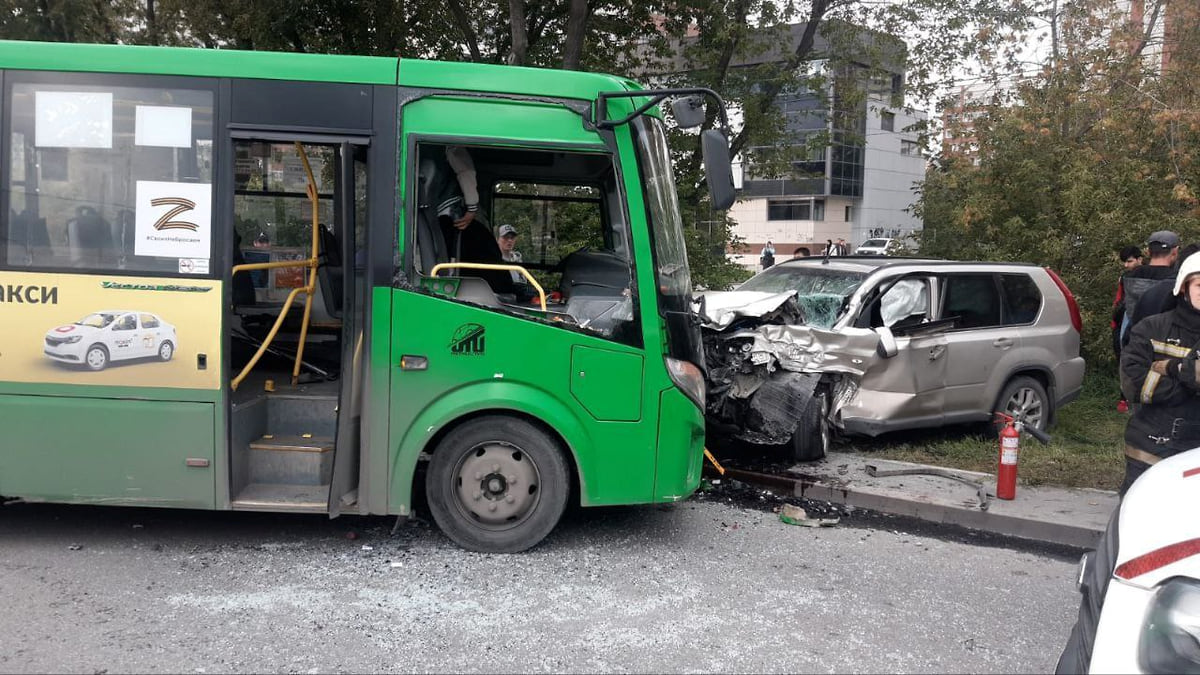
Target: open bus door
[(296, 321)]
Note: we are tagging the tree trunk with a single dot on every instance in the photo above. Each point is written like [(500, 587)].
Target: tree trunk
[(772, 89), (464, 28), (151, 25), (576, 31), (520, 36)]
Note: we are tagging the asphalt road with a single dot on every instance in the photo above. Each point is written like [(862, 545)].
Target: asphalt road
[(695, 587)]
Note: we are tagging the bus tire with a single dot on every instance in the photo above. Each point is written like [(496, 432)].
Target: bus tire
[(96, 357), (497, 484)]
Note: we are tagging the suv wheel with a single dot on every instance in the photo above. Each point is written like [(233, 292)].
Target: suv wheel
[(1027, 397), (811, 439)]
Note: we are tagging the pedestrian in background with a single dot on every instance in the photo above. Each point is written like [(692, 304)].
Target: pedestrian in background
[(1164, 251), (768, 255), (1160, 373), (1130, 257)]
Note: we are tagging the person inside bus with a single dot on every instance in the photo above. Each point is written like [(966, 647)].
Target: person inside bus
[(449, 190)]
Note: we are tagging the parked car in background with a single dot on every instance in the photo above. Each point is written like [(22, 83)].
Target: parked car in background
[(1140, 605), (877, 247), (865, 345)]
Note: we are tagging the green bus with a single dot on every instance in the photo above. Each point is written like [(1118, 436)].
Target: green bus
[(232, 280)]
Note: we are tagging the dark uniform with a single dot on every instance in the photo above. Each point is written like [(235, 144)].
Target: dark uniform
[(1160, 375)]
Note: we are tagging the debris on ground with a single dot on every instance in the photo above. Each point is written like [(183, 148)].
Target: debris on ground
[(75, 547), (795, 515)]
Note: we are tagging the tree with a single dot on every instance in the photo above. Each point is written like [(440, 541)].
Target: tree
[(1098, 150), (752, 51)]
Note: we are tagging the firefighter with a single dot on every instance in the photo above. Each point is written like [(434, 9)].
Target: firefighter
[(1160, 375)]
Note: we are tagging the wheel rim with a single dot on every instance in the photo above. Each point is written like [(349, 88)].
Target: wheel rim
[(164, 351), (1027, 403), (96, 358), (497, 485)]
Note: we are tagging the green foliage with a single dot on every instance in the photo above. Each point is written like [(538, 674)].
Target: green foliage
[(1100, 152)]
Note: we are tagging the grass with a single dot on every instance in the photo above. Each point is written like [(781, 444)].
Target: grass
[(1085, 449)]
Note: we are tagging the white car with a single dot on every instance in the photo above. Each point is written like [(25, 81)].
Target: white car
[(111, 335), (875, 247), (1140, 611)]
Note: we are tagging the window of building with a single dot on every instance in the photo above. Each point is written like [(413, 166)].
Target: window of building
[(910, 148), (108, 178), (796, 209), (887, 121), (849, 213)]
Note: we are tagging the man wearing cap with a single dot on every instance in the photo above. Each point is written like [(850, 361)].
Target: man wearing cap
[(1164, 250), (508, 242), (1160, 373)]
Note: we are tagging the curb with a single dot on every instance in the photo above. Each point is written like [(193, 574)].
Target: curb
[(1073, 517), (1065, 534)]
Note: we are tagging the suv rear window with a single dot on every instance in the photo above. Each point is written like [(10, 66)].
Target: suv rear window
[(974, 299), (1022, 299)]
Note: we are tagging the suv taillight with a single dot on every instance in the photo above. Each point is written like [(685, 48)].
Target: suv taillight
[(1076, 318)]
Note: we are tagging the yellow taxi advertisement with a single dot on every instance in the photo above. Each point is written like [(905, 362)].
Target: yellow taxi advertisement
[(110, 330)]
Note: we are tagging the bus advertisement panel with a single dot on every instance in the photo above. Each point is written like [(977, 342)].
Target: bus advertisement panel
[(110, 330)]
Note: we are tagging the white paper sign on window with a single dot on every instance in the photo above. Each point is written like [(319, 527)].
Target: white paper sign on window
[(173, 219), (69, 119), (163, 127)]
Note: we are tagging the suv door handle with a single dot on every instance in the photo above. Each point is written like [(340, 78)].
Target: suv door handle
[(936, 352), (1003, 343)]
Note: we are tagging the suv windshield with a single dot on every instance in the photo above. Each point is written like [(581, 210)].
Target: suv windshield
[(820, 292)]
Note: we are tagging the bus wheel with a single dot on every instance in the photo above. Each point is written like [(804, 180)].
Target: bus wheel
[(497, 485), (96, 357), (166, 350)]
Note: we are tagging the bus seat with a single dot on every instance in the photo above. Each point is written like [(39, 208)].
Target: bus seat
[(330, 272), (89, 239), (478, 291)]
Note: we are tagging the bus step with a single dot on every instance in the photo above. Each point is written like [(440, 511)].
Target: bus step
[(276, 497), (291, 460)]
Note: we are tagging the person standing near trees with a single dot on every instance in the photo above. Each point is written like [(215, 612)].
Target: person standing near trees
[(1160, 373), (1131, 258), (1164, 251)]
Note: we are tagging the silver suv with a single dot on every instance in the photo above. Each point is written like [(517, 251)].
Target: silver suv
[(866, 345)]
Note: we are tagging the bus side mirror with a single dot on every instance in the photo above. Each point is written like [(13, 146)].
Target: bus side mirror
[(718, 168), (688, 111)]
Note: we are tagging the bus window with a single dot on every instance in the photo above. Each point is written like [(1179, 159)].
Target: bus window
[(570, 236), (108, 178)]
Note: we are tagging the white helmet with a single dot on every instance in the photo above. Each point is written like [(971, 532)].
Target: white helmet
[(1188, 268)]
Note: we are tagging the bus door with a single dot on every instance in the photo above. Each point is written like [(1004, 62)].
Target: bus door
[(296, 317), (110, 289)]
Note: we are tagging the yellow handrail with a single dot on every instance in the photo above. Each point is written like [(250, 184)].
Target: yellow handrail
[(308, 290), (489, 266)]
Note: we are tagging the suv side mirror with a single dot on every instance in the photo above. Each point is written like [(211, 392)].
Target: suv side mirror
[(718, 168), (688, 111), (887, 343)]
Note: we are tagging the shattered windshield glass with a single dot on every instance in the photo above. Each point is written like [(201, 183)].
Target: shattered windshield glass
[(819, 292)]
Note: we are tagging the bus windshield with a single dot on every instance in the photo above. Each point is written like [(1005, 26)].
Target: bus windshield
[(662, 206), (672, 278)]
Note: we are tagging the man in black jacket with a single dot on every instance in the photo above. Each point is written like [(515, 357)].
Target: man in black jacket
[(1164, 252), (1160, 374)]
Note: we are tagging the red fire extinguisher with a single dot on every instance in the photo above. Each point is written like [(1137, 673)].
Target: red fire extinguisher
[(1006, 474)]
